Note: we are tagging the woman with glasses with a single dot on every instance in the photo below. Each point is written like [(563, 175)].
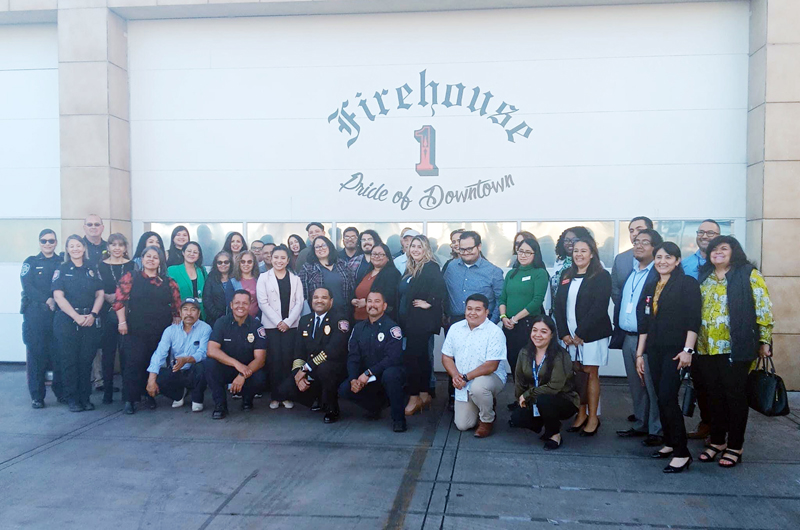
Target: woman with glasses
[(78, 292), (245, 276), (518, 239), (325, 269), (147, 302), (218, 290), (37, 310), (381, 276), (422, 292), (112, 269), (524, 290), (581, 309), (190, 275), (178, 239)]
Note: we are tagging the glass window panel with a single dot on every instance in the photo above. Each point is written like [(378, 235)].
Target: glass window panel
[(389, 232), (280, 232), (496, 240), (210, 236), (19, 238), (682, 233), (548, 232)]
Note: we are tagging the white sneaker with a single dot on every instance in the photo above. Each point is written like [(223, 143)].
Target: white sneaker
[(274, 404), (288, 404), (197, 407), (178, 404)]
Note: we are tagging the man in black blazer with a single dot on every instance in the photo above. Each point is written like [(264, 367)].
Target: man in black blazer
[(645, 399), (320, 363)]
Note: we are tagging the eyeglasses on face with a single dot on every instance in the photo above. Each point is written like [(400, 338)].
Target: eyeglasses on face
[(94, 225), (224, 262), (642, 243), (525, 253), (707, 233), (467, 250), (47, 241), (572, 240), (378, 255)]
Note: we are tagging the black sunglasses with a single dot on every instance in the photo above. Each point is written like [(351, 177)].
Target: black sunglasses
[(47, 241), (226, 262)]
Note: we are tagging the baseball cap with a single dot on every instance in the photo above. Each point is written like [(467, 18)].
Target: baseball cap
[(194, 301)]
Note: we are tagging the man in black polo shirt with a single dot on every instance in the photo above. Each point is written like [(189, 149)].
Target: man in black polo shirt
[(237, 350)]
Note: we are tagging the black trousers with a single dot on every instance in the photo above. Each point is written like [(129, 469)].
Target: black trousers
[(77, 347), (139, 348), (325, 385), (109, 344), (373, 396), (552, 410), (701, 392), (667, 384), (41, 350), (726, 383), (280, 354), (516, 339), (220, 375), (417, 362), (173, 384)]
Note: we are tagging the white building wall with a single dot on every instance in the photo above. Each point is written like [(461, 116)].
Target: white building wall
[(29, 162)]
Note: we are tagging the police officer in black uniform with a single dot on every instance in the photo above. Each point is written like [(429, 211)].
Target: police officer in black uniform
[(78, 291), (375, 364), (96, 246), (37, 310), (237, 351), (320, 363)]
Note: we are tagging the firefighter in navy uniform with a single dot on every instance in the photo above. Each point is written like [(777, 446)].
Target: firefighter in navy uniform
[(320, 363), (78, 292), (237, 351), (37, 310), (375, 364)]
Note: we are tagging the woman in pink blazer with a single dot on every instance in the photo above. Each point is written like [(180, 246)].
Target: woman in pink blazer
[(280, 297)]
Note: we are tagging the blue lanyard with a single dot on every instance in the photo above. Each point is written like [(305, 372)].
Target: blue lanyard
[(636, 284), (536, 372)]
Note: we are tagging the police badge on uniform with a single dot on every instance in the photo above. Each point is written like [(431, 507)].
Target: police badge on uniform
[(251, 338), (25, 268), (396, 332), (327, 329), (91, 273), (381, 336)]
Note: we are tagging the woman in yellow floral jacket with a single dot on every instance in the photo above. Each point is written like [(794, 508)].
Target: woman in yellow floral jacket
[(736, 329)]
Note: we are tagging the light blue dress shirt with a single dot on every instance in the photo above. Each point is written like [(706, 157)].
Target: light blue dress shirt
[(692, 264), (193, 344), (480, 277), (630, 297)]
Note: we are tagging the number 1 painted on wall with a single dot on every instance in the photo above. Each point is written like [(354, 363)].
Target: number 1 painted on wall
[(426, 136)]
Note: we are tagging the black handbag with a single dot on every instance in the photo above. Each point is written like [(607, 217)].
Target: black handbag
[(766, 392), (689, 398)]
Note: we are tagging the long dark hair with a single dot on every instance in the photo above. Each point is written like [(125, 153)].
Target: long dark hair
[(581, 232), (375, 238), (284, 248), (215, 274), (227, 246), (302, 244), (538, 263), (389, 261), (594, 265), (333, 254), (552, 348), (199, 262), (672, 250), (162, 260), (172, 247), (738, 256), (525, 235), (140, 248)]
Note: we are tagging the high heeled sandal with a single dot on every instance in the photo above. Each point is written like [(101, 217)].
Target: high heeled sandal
[(726, 458), (707, 457)]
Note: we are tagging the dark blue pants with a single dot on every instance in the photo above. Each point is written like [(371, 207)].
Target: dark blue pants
[(173, 384), (77, 347), (40, 342), (373, 396), (325, 385), (220, 375)]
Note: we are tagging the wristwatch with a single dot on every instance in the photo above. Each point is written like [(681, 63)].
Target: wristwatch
[(368, 373), (93, 314), (465, 378), (688, 350)]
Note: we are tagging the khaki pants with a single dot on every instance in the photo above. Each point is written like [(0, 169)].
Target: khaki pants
[(480, 404)]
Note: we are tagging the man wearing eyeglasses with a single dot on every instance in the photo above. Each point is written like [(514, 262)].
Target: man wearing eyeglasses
[(708, 230), (96, 246), (350, 242), (645, 399)]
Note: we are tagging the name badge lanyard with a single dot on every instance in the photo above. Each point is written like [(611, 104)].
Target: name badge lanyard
[(629, 309), (536, 383)]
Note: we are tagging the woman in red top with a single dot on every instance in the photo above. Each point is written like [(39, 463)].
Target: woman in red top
[(382, 276), (147, 303)]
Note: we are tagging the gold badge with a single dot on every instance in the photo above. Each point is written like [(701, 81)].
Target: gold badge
[(251, 338), (305, 333), (327, 330)]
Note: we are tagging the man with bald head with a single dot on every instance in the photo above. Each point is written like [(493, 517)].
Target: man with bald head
[(96, 246)]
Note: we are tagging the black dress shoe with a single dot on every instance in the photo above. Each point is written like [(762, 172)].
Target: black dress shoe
[(679, 469), (220, 411), (316, 407), (88, 406), (247, 404), (631, 433), (551, 444), (652, 441), (331, 417), (632, 418), (573, 428), (129, 408), (585, 433), (75, 407), (400, 426), (659, 454), (151, 402), (37, 404)]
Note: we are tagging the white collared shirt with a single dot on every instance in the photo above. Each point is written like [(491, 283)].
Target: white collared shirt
[(470, 348)]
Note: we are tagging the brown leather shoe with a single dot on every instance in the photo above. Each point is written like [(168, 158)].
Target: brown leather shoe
[(483, 430), (702, 431)]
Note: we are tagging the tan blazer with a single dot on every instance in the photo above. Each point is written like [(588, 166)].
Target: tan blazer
[(269, 300)]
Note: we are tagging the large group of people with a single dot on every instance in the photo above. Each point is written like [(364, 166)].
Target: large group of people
[(311, 323)]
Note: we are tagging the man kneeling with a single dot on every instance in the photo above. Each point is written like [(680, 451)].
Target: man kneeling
[(474, 355), (176, 366), (320, 357), (375, 364), (237, 350)]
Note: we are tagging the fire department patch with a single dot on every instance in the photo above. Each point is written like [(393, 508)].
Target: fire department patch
[(262, 332), (56, 274), (344, 326), (396, 332)]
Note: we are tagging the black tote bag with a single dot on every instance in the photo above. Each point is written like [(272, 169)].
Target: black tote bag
[(766, 392)]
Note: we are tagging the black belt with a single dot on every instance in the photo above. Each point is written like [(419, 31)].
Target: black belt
[(631, 333), (83, 310)]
